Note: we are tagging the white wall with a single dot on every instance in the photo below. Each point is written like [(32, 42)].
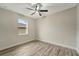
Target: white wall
[(8, 29), (59, 28)]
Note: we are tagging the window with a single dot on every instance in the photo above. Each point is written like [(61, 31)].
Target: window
[(22, 27)]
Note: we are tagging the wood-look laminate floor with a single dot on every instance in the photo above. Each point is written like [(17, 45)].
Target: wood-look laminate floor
[(38, 48)]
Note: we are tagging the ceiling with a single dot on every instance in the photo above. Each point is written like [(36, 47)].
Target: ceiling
[(51, 7)]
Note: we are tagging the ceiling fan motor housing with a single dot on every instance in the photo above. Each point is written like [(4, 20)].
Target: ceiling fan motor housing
[(38, 5)]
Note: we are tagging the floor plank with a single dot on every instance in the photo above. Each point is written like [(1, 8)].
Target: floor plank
[(38, 48)]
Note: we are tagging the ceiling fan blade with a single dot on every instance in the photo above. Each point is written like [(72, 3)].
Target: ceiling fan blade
[(39, 13), (43, 10), (33, 13), (29, 8)]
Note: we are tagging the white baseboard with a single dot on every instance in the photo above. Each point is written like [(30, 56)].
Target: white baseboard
[(15, 44), (59, 44)]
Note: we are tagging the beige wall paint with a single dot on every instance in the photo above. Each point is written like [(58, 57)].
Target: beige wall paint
[(78, 27), (8, 29), (59, 28)]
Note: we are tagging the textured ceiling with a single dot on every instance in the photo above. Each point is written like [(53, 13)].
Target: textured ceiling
[(52, 8)]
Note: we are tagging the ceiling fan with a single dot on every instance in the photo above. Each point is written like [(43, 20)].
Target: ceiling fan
[(37, 9)]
